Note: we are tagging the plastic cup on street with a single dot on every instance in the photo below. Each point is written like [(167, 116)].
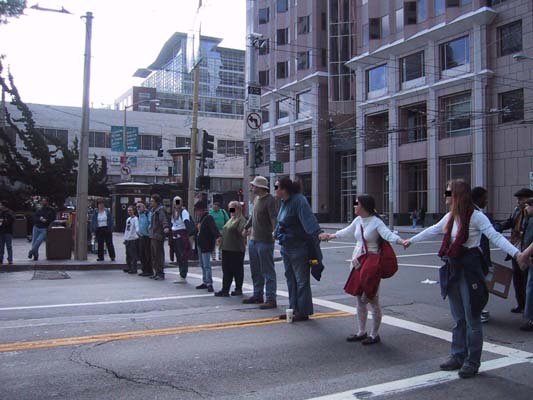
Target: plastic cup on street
[(290, 314)]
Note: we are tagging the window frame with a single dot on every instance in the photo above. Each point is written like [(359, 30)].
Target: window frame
[(265, 19), (286, 69), (516, 113), (403, 66), (368, 73), (303, 25), (305, 63), (443, 53), (282, 36), (502, 42), (282, 6), (445, 104)]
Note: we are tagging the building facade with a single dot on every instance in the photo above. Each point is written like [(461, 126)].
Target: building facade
[(292, 65)]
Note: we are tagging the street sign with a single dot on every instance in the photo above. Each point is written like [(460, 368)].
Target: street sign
[(276, 167), (253, 120), (531, 180), (125, 173), (254, 97), (132, 133)]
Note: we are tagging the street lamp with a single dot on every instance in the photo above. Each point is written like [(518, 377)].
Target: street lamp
[(124, 135), (521, 57)]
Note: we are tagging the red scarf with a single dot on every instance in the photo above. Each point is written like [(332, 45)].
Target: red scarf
[(454, 249)]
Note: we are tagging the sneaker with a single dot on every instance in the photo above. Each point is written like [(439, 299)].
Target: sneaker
[(210, 288), (222, 294), (181, 279), (485, 316), (270, 304), (451, 364), (356, 338), (527, 327), (237, 292), (517, 310), (253, 300), (202, 286), (370, 340), (468, 371)]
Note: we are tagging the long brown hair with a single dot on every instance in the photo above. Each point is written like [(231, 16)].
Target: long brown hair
[(462, 204)]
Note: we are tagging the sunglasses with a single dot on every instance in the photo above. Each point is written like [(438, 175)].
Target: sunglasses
[(231, 210), (355, 203), (276, 187), (448, 193), (178, 202)]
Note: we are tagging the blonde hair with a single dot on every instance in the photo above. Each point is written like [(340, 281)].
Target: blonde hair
[(235, 204)]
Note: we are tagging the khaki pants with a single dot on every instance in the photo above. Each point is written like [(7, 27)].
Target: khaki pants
[(157, 254)]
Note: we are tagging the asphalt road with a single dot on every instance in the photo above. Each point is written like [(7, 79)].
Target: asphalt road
[(108, 335)]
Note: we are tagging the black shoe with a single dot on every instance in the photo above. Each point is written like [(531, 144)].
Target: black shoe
[(202, 286), (300, 318), (112, 259), (371, 340), (210, 289), (145, 274), (35, 257), (30, 254), (468, 371), (153, 276), (253, 300), (451, 364), (159, 278), (356, 338), (222, 294), (125, 270), (132, 272), (237, 292), (517, 310), (99, 259), (527, 327)]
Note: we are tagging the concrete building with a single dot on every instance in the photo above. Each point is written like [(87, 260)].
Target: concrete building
[(443, 89), (292, 71), (156, 131)]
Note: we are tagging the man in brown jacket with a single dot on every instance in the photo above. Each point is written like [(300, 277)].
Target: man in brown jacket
[(159, 228)]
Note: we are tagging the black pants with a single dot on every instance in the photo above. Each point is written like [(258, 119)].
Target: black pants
[(132, 254), (232, 268), (144, 254), (171, 247), (183, 262), (104, 235), (519, 283), (157, 254)]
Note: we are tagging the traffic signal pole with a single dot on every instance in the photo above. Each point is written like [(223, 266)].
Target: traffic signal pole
[(194, 138)]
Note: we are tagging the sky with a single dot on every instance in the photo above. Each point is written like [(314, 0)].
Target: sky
[(44, 50)]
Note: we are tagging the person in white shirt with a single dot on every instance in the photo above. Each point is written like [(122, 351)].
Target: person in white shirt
[(131, 241), (462, 279), (374, 230), (179, 236)]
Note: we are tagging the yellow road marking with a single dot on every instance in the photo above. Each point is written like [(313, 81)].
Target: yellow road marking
[(72, 341)]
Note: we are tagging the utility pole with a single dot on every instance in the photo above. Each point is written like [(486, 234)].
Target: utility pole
[(194, 139), (80, 250)]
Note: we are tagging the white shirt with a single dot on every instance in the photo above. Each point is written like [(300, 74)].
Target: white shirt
[(102, 219), (131, 232), (373, 228), (178, 224), (479, 224)]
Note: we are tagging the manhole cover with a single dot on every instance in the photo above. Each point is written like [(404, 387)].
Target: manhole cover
[(50, 275)]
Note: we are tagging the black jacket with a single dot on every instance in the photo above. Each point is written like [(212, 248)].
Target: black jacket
[(207, 234), (47, 213), (7, 218)]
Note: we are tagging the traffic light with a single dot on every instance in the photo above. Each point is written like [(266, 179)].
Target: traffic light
[(160, 153), (259, 154), (208, 145)]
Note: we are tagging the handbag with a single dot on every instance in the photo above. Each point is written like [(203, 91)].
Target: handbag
[(190, 226), (389, 262)]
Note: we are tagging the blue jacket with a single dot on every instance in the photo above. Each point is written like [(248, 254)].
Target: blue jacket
[(296, 222), (94, 221), (144, 223)]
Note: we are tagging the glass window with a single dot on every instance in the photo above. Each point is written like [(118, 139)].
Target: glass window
[(226, 106), (416, 186), (510, 37), (458, 168), (264, 15), (413, 123), (265, 115), (374, 28), (221, 147), (282, 70), (282, 6), (303, 145), (282, 36), (439, 7), (410, 12), (53, 135), (264, 77), (421, 10), (455, 53), (304, 25), (183, 141), (385, 26), (303, 60), (376, 130), (376, 78), (412, 66), (304, 104), (456, 115), (399, 20), (282, 110), (512, 105)]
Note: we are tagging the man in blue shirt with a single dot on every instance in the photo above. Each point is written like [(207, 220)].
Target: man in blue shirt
[(144, 239)]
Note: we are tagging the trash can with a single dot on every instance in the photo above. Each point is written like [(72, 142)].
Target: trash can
[(20, 227), (59, 241)]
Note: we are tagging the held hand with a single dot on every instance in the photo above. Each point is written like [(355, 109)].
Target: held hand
[(324, 237), (246, 232), (166, 230), (523, 260), (406, 244)]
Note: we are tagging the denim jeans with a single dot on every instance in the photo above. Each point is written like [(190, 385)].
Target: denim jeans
[(528, 311), (298, 274), (6, 240), (467, 334), (38, 236), (262, 268), (205, 263)]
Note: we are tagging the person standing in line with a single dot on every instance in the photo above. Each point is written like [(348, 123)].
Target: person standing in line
[(527, 243), (462, 278), (480, 197), (516, 223), (370, 228), (144, 239), (41, 221), (7, 218), (232, 244), (179, 234), (102, 228), (221, 217), (260, 227), (131, 241), (414, 218), (296, 227), (159, 228), (208, 234)]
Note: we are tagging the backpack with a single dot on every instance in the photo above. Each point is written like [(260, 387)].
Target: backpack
[(189, 225)]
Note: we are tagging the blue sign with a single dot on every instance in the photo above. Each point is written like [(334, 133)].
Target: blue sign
[(117, 138)]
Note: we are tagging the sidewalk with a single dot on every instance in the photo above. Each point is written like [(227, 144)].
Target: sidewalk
[(21, 262)]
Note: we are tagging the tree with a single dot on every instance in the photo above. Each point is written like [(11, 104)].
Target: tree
[(45, 166), (10, 9), (98, 177)]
